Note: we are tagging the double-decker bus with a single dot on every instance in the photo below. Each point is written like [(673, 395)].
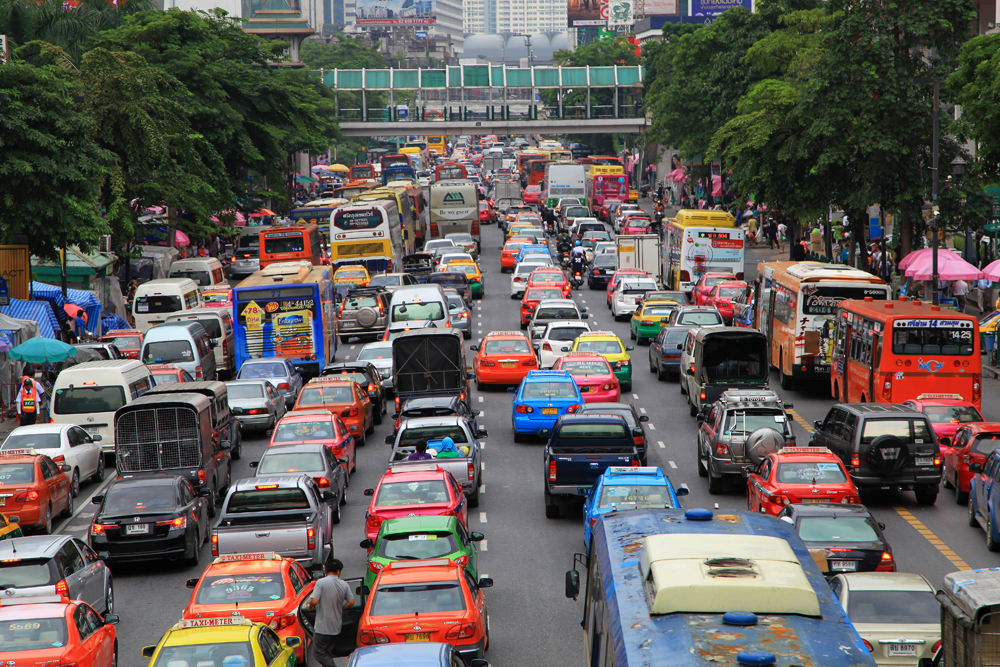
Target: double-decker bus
[(368, 233), (289, 244), (363, 172), (449, 170), (689, 588), (536, 171), (605, 182), (701, 241), (397, 193), (454, 208), (796, 305), (893, 351), (286, 310)]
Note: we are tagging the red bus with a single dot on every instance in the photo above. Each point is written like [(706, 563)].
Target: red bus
[(288, 244), (448, 170), (361, 172), (536, 171), (394, 159), (893, 351)]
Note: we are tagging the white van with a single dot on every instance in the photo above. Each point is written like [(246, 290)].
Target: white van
[(218, 323), (420, 303), (158, 298), (203, 270), (89, 393), (184, 344)]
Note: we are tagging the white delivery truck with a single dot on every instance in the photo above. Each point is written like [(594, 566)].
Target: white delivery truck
[(640, 251), (565, 180)]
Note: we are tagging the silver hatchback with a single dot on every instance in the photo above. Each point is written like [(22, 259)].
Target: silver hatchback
[(39, 562), (459, 315)]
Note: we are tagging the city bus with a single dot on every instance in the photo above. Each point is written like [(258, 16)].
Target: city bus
[(536, 171), (288, 244), (605, 182), (417, 159), (397, 193), (893, 351), (393, 159), (398, 172), (564, 179), (700, 241), (286, 310), (454, 208), (449, 170), (688, 588), (317, 212), (421, 147), (438, 143), (369, 234), (796, 305), (350, 191), (605, 160), (526, 156), (363, 172)]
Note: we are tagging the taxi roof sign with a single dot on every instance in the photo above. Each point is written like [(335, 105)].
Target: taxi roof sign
[(805, 450), (639, 470), (19, 452), (233, 558), (212, 622), (956, 397), (520, 334)]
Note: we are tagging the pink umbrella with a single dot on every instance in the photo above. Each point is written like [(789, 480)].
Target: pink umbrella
[(992, 271), (182, 239), (952, 268), (925, 252), (716, 186)]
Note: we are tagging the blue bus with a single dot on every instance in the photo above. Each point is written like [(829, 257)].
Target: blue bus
[(286, 310), (696, 588), (398, 172)]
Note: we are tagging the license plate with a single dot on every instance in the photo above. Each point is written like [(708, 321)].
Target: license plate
[(925, 460), (815, 500), (550, 411), (903, 650), (137, 529), (507, 364), (582, 389), (92, 430), (843, 565), (418, 637), (3, 501)]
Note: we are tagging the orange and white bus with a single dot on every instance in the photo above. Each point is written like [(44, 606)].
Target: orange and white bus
[(893, 351), (796, 305), (288, 244), (363, 172)]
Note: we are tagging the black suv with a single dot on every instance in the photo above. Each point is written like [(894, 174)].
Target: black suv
[(883, 446), (363, 312)]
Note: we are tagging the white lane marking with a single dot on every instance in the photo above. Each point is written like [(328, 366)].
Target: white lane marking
[(660, 443), (635, 396), (482, 488), (482, 466), (642, 410), (482, 517), (672, 465), (583, 301), (480, 399), (83, 504), (482, 545), (482, 413), (651, 427)]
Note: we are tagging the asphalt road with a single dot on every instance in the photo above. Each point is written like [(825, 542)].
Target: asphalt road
[(525, 553)]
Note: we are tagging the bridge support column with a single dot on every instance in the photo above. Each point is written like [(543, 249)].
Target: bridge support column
[(589, 114), (616, 103), (364, 106)]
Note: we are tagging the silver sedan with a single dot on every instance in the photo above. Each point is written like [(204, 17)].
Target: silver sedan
[(256, 403)]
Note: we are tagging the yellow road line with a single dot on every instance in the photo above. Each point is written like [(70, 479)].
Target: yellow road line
[(935, 541), (800, 421)]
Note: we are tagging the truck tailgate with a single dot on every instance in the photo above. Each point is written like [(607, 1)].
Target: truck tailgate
[(288, 539), (584, 469)]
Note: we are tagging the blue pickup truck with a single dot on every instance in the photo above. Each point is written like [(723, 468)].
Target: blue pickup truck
[(579, 449)]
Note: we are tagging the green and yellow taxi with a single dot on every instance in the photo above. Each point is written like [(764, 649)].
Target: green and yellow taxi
[(610, 346), (9, 527), (233, 641), (649, 318), (421, 538), (472, 271)]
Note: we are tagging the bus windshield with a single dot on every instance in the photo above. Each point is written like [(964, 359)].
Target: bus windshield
[(284, 244)]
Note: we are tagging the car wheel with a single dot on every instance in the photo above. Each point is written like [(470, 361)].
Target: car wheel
[(74, 485), (46, 527), (551, 506), (474, 497), (972, 511), (518, 437), (336, 513), (195, 551), (109, 598), (69, 505), (927, 496), (114, 657), (99, 475), (702, 470), (961, 497), (715, 484), (692, 409), (652, 368), (344, 339), (660, 375), (524, 325), (466, 334), (371, 427), (378, 415), (945, 482), (212, 499), (680, 382), (343, 496), (992, 544)]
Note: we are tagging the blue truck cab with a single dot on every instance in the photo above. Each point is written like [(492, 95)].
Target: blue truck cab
[(540, 399), (620, 489), (578, 452)]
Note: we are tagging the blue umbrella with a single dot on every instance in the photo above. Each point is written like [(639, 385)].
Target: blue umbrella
[(42, 350)]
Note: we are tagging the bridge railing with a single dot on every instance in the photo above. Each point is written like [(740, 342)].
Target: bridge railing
[(482, 76)]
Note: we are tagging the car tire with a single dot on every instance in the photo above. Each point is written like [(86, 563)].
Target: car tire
[(945, 482), (195, 557), (652, 368), (70, 503), (466, 335), (336, 513), (692, 409), (973, 523), (378, 415), (344, 339), (109, 598), (474, 497), (371, 429), (517, 436), (98, 476), (702, 470), (74, 484), (660, 375), (961, 497), (551, 506), (927, 497), (786, 380), (680, 382), (992, 544), (46, 527), (343, 496), (715, 484), (212, 499), (524, 325)]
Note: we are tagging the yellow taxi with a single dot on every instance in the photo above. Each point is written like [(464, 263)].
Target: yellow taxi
[(9, 527), (610, 346), (649, 318), (351, 274), (473, 273), (233, 641)]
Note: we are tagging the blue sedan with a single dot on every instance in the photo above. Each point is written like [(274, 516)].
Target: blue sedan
[(539, 400), (620, 489), (533, 248), (412, 654)]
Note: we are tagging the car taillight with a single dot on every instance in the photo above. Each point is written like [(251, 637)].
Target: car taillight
[(472, 472), (937, 460), (396, 401), (552, 471), (256, 411), (546, 346), (201, 477), (342, 304), (529, 362), (374, 566), (487, 363), (311, 538), (702, 396), (595, 272), (372, 523), (721, 449), (856, 460), (887, 564), (461, 631), (178, 523), (100, 528), (284, 386), (525, 409), (977, 392), (462, 560), (215, 544), (371, 386), (887, 390), (691, 369), (351, 412), (282, 622), (851, 499), (62, 588), (685, 276), (27, 496), (374, 636), (936, 646), (571, 410), (608, 386), (871, 649), (322, 482)]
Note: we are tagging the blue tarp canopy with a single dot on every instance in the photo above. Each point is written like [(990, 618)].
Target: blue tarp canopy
[(39, 312), (110, 322), (78, 297)]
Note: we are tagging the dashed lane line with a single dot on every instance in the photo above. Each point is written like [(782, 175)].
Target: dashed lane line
[(651, 427), (482, 517), (482, 488), (635, 396), (935, 541), (642, 410), (660, 443), (480, 399), (672, 465), (482, 546)]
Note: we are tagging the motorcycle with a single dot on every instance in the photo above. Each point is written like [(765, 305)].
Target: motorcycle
[(576, 281), (564, 262)]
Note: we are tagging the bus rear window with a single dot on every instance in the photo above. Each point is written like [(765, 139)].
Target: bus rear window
[(274, 246), (938, 341)]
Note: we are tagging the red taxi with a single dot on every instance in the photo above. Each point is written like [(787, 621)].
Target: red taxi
[(503, 357), (616, 278), (550, 277), (261, 587), (531, 298), (946, 413), (414, 490), (341, 396), (532, 194), (593, 375), (637, 224), (317, 427), (485, 213), (795, 475), (128, 341), (721, 296), (163, 373), (217, 296), (508, 256), (55, 631), (699, 293), (33, 487), (427, 601), (604, 212), (972, 443)]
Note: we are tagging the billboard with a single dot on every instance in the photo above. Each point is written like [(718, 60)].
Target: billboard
[(582, 13), (394, 12), (620, 13), (716, 7), (660, 7)]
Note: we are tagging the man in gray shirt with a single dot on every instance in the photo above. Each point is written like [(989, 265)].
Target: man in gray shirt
[(332, 595)]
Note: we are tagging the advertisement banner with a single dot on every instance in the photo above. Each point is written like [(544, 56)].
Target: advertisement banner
[(395, 12), (716, 7), (660, 8), (583, 13), (620, 13)]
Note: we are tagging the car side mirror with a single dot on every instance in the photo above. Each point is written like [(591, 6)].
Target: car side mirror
[(486, 582), (584, 310), (65, 468), (511, 390), (470, 375), (629, 348), (292, 642), (881, 525), (343, 459), (572, 584), (944, 441), (369, 492), (637, 433), (254, 464), (213, 343), (96, 438), (13, 518), (584, 316), (390, 439), (318, 574), (536, 347), (749, 470), (701, 417), (367, 543), (477, 537), (682, 490), (643, 418), (148, 651), (664, 320), (329, 495), (975, 467), (111, 619), (474, 348), (481, 432), (680, 346), (564, 349), (789, 405), (192, 583), (97, 500), (817, 423), (103, 555), (479, 662), (226, 444), (205, 492)]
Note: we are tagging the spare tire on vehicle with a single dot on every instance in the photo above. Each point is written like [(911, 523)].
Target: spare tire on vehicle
[(366, 317), (762, 442), (887, 455)]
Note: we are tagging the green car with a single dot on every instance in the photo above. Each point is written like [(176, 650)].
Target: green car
[(9, 527), (421, 537), (648, 320)]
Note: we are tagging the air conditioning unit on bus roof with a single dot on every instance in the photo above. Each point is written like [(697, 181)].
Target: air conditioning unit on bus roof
[(286, 268)]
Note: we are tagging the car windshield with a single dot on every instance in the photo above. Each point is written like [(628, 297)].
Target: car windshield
[(508, 345), (141, 498), (210, 653), (412, 493), (411, 312), (417, 546), (745, 422), (893, 607), (952, 414), (467, 269), (168, 352), (265, 500), (566, 333), (546, 390), (291, 462), (337, 393), (32, 441), (226, 589), (599, 346), (699, 318), (303, 431), (384, 281), (32, 634), (837, 529), (249, 390), (590, 367), (810, 472), (412, 436), (17, 473), (556, 313), (898, 427), (634, 495), (417, 599), (88, 400)]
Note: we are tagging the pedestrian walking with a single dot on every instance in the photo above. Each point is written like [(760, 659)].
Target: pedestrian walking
[(332, 595), (29, 401), (782, 230), (959, 290)]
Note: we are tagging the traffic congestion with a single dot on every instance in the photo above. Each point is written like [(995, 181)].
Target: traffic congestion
[(483, 394)]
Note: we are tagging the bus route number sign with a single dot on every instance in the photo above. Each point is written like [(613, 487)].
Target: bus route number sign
[(713, 235)]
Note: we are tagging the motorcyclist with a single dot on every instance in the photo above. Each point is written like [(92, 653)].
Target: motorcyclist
[(578, 259), (563, 244)]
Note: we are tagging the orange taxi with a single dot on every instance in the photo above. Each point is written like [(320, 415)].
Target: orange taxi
[(400, 608), (550, 277), (261, 587), (351, 274), (795, 475), (508, 256), (163, 373), (503, 357), (44, 630), (342, 396), (316, 427), (531, 298), (128, 341), (33, 487)]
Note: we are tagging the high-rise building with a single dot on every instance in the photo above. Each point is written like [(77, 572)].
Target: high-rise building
[(449, 22), (491, 17)]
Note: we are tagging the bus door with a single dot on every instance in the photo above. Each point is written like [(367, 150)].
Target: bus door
[(873, 376)]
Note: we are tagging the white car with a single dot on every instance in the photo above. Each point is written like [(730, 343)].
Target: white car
[(605, 246), (65, 444), (431, 245), (557, 339), (392, 281), (896, 614), (519, 278), (453, 257), (623, 300)]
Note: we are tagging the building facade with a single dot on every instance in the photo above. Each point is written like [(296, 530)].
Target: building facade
[(496, 17)]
